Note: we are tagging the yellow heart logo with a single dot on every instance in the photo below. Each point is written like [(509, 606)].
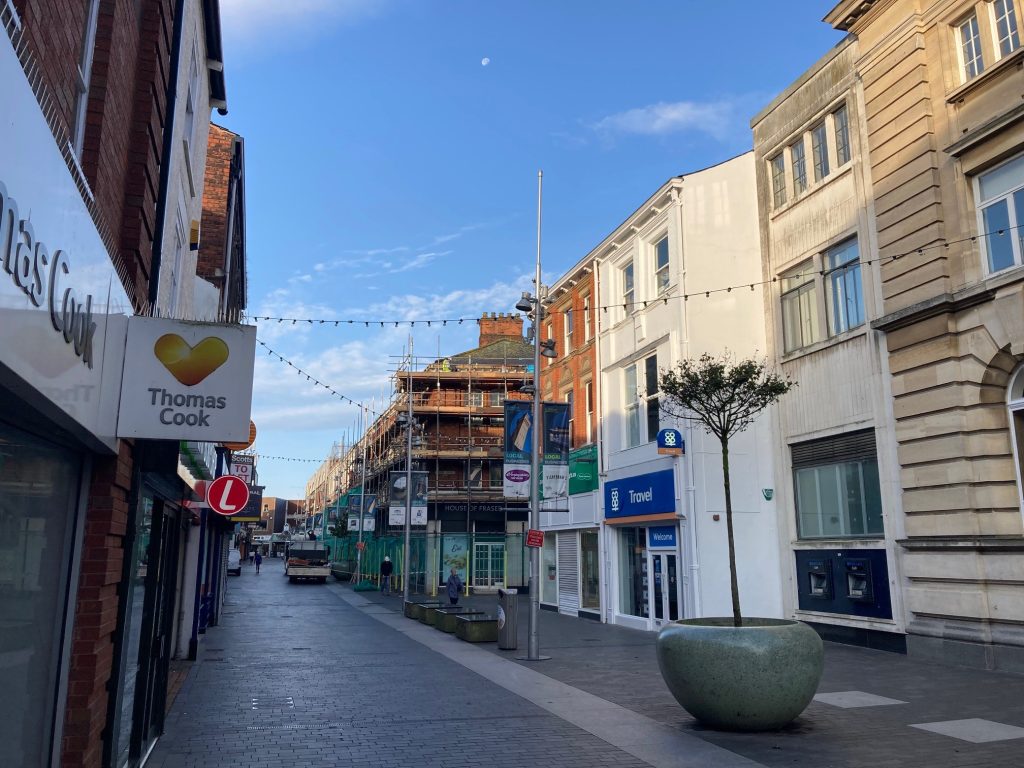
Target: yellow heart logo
[(190, 365)]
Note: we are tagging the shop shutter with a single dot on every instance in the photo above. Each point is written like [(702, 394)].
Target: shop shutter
[(568, 572), (849, 446)]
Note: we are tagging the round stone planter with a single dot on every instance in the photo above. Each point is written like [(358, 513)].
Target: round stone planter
[(757, 677)]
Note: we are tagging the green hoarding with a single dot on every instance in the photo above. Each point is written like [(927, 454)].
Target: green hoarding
[(583, 469)]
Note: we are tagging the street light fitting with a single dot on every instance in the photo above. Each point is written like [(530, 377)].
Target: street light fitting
[(525, 304), (547, 348), (528, 389)]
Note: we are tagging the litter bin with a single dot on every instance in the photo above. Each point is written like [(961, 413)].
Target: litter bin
[(508, 615)]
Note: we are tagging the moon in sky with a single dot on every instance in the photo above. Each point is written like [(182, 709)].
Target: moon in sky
[(484, 61)]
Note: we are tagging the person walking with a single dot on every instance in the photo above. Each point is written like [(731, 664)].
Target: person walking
[(386, 569), (454, 588), (258, 560)]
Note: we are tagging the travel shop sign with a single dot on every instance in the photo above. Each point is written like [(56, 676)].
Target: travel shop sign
[(187, 381)]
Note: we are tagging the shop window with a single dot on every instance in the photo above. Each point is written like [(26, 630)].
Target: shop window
[(572, 418), (631, 397), (842, 287), (84, 75), (819, 151), (798, 161), (588, 389), (661, 275), (841, 123), (799, 308), (39, 484), (970, 47), (653, 405), (590, 570), (1006, 26), (549, 571), (836, 273), (778, 170), (837, 489), (633, 578), (1000, 193), (628, 293), (1015, 402)]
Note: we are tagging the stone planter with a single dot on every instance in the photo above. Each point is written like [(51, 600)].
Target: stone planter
[(447, 617), (757, 677), (414, 610), (476, 629)]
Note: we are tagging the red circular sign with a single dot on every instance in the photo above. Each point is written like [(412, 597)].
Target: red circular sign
[(227, 495)]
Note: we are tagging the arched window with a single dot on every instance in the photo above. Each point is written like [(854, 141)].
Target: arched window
[(1015, 405)]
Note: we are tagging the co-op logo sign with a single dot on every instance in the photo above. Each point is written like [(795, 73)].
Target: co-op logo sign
[(39, 274), (190, 366)]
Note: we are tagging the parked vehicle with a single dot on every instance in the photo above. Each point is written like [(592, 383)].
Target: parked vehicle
[(307, 560), (234, 562)]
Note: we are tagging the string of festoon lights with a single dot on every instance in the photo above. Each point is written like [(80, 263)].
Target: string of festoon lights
[(748, 286), (315, 381), (278, 458)]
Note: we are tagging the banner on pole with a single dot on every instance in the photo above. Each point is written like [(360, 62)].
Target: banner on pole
[(556, 454), (519, 434), (397, 497)]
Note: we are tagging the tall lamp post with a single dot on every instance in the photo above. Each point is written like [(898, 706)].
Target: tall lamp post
[(534, 308), (362, 499), (408, 423)]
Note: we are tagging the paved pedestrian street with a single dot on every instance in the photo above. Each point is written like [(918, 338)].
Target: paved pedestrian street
[(316, 675)]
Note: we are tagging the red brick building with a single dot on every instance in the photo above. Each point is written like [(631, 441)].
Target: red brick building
[(86, 93), (570, 569), (222, 257)]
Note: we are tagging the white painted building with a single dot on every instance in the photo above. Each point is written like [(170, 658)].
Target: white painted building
[(200, 89), (663, 534)]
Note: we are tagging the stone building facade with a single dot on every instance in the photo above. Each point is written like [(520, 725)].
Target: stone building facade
[(945, 136), (837, 483)]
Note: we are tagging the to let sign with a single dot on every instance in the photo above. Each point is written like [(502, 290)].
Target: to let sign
[(534, 538), (227, 495)]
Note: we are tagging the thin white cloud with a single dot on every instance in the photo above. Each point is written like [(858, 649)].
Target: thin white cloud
[(717, 119), (250, 21)]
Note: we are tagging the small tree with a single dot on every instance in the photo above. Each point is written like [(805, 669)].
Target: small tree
[(725, 397)]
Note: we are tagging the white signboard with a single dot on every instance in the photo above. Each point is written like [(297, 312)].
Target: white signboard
[(187, 381), (517, 480), (62, 306), (242, 466)]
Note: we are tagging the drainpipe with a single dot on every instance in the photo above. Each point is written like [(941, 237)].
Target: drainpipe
[(167, 151)]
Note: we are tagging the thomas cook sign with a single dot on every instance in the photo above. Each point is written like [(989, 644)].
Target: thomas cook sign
[(187, 381)]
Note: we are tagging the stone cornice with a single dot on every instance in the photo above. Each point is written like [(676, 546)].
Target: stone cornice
[(946, 304), (964, 543)]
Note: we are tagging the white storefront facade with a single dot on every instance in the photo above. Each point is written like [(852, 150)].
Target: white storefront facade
[(663, 547)]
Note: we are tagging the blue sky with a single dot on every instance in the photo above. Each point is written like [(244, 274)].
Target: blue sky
[(392, 148)]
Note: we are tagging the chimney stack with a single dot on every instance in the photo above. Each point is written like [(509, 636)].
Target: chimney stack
[(496, 326)]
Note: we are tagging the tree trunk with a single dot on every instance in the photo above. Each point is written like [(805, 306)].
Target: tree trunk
[(737, 617)]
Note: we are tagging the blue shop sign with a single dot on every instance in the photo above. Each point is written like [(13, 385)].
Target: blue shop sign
[(648, 494), (661, 537), (670, 442)]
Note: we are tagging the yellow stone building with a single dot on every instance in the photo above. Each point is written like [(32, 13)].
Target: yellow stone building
[(943, 94)]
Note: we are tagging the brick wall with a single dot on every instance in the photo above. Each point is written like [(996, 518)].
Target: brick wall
[(96, 614), (496, 326), (118, 170), (219, 150), (574, 367), (118, 176)]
